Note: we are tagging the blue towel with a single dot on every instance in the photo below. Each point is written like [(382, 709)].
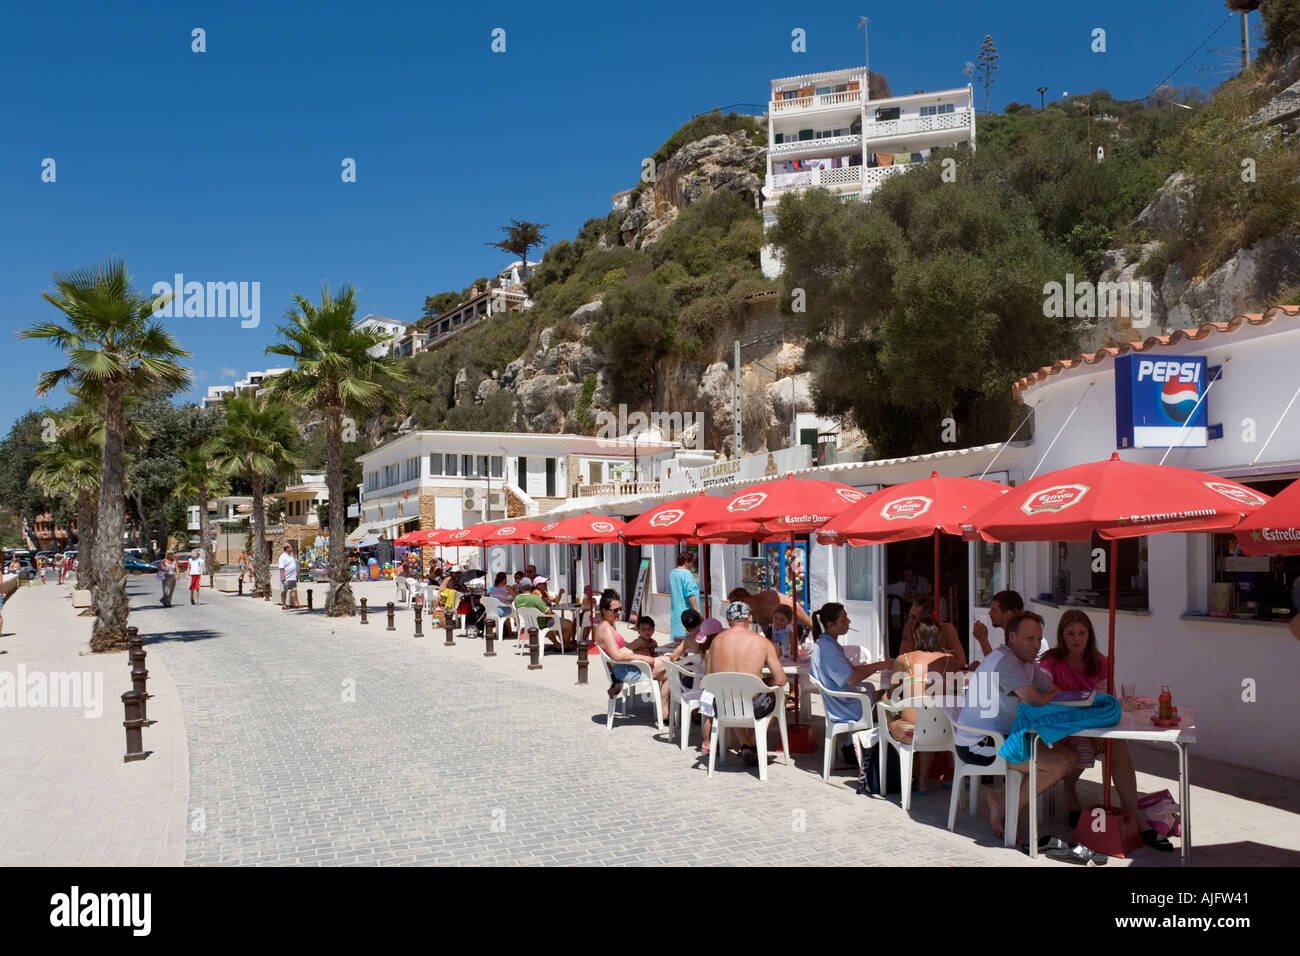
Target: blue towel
[(1054, 722)]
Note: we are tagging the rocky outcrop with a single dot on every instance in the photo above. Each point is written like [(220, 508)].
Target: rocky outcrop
[(726, 162), (1169, 211), (1248, 282)]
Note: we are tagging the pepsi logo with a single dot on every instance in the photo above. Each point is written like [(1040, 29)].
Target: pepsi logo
[(1056, 498), (1243, 496), (1178, 400), (602, 527), (668, 516), (747, 502), (910, 507)]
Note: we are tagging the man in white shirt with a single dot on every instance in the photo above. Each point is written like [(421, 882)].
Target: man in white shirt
[(1008, 677), (288, 578)]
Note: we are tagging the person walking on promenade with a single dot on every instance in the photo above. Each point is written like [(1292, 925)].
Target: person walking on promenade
[(167, 570), (196, 574)]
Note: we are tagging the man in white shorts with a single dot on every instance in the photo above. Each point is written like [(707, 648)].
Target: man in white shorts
[(288, 578)]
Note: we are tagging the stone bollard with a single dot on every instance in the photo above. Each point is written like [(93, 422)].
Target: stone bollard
[(582, 661), (534, 650), (419, 619), (490, 636), (391, 627), (309, 605), (363, 611), (133, 704)]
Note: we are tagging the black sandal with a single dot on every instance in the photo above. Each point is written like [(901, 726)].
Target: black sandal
[(749, 755), (1157, 841)]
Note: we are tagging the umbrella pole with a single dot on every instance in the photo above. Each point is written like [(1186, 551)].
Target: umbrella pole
[(1110, 666), (938, 591)]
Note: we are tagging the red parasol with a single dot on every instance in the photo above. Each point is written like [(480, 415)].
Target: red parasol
[(1274, 528), (674, 522), (914, 509), (592, 529), (779, 509)]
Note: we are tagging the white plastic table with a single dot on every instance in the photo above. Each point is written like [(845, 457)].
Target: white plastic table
[(1136, 725)]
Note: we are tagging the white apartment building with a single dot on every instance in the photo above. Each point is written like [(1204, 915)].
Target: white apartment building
[(447, 479), (825, 131), (390, 327), (251, 382), (480, 307)]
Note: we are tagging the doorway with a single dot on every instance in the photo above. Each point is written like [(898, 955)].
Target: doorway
[(917, 556)]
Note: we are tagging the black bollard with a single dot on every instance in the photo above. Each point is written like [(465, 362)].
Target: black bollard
[(241, 587), (268, 592), (363, 611), (419, 618), (391, 627), (489, 637), (133, 704), (582, 661), (139, 677), (309, 607), (534, 651), (134, 642), (449, 623)]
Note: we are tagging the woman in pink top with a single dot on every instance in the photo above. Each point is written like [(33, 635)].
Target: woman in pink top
[(1076, 664)]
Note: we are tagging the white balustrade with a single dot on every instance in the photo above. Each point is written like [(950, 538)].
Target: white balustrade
[(960, 119)]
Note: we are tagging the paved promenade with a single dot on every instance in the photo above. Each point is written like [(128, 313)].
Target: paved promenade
[(290, 738)]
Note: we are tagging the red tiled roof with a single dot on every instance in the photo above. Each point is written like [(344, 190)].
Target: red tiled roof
[(1154, 342)]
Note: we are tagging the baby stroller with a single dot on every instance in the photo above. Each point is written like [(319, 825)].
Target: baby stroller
[(471, 608)]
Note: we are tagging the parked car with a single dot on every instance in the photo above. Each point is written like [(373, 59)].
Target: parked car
[(136, 566)]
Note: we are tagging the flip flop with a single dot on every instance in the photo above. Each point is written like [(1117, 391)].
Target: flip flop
[(1079, 854)]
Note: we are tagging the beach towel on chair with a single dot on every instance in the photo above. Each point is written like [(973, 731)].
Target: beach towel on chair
[(1054, 722)]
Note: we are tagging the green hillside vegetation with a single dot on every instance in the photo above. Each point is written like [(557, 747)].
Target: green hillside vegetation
[(927, 302)]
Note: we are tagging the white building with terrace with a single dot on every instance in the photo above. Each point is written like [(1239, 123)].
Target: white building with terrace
[(825, 131)]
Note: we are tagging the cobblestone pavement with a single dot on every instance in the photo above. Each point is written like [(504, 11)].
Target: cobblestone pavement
[(324, 742)]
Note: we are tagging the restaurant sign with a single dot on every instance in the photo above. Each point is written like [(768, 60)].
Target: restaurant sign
[(750, 468), (1160, 403)]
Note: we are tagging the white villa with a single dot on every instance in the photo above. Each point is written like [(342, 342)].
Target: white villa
[(825, 130), (251, 382)]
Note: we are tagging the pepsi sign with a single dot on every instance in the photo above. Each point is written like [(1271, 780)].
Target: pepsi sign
[(1159, 403)]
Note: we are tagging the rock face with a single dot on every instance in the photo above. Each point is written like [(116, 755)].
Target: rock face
[(1168, 212), (722, 162), (1248, 282)]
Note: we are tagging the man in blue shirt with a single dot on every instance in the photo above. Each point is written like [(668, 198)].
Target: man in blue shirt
[(683, 592)]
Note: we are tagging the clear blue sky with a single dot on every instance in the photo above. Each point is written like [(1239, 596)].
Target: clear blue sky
[(225, 165)]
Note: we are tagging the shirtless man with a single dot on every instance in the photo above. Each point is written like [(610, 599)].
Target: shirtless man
[(740, 650)]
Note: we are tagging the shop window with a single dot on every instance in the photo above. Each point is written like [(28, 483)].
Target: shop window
[(1080, 573), (1253, 587), (859, 584)]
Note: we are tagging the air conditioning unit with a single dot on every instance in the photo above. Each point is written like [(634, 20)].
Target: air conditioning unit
[(473, 500)]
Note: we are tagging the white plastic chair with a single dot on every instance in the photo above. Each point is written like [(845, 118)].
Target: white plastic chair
[(402, 593), (681, 702), (526, 618), (645, 684), (932, 733), (492, 608), (998, 768), (866, 724), (733, 707)]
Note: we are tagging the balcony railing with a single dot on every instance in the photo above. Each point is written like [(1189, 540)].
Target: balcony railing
[(878, 174), (959, 119), (615, 488), (825, 144), (830, 178), (816, 101)]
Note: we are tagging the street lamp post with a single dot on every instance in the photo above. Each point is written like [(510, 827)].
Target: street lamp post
[(1042, 103)]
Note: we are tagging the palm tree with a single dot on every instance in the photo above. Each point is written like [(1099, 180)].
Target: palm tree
[(115, 346), (69, 467), (199, 480), (335, 372), (257, 443), (83, 422)]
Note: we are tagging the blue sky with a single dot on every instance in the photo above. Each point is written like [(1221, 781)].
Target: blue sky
[(225, 165)]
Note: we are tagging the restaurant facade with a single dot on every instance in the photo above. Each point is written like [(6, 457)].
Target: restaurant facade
[(1194, 613)]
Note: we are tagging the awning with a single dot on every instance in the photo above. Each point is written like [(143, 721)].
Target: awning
[(373, 529)]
